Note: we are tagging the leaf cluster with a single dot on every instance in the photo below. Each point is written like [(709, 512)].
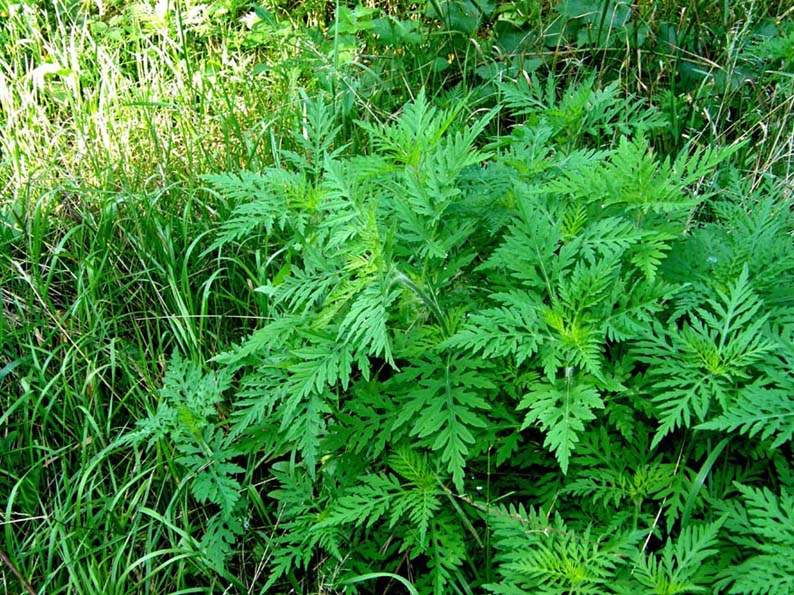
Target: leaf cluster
[(502, 363)]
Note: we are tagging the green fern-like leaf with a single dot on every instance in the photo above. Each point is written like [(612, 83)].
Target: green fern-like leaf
[(443, 407), (759, 411), (446, 555), (423, 500), (214, 479), (583, 110), (561, 410), (365, 504), (218, 541), (365, 326), (538, 554), (681, 566), (765, 531), (705, 363), (271, 200), (529, 248), (316, 135), (510, 330), (381, 497)]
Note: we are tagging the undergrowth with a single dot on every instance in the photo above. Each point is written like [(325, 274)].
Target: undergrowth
[(506, 365), (468, 297)]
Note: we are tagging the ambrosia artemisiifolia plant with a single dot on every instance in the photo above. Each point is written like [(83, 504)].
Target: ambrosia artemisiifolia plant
[(501, 364)]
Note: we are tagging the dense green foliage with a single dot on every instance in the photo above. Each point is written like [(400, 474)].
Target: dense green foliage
[(469, 297)]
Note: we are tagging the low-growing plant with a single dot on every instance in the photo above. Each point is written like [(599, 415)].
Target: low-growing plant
[(520, 332), (501, 365)]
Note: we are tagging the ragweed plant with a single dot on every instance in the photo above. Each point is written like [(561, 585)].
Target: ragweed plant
[(535, 319)]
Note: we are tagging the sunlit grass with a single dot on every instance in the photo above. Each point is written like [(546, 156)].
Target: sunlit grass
[(153, 97)]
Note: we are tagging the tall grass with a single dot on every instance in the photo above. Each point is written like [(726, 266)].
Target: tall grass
[(141, 98), (108, 120), (92, 306)]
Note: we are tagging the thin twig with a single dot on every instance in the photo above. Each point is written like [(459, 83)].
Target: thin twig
[(21, 578)]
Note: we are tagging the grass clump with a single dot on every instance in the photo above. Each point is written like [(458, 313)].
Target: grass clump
[(137, 95)]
